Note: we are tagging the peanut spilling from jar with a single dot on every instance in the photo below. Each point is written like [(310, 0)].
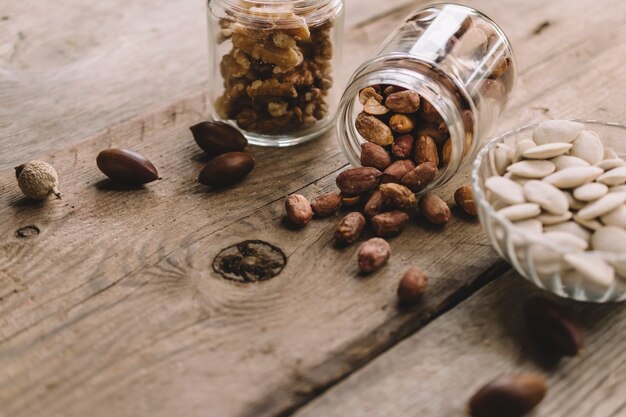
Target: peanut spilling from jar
[(405, 137)]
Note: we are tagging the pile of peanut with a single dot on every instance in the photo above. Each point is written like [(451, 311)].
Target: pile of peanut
[(406, 144), (276, 78), (405, 136)]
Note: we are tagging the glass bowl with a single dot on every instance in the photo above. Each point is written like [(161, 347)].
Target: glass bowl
[(532, 255)]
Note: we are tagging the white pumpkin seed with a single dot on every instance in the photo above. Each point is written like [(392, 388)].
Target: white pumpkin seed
[(549, 150), (532, 226), (549, 219), (505, 189), (520, 180), (503, 156), (557, 131), (609, 153), (617, 189), (595, 270), (572, 177), (616, 217), (589, 147), (566, 241), (616, 176), (602, 206), (520, 211), (549, 198), (522, 147), (572, 228), (589, 224), (590, 191), (608, 164), (609, 239), (531, 169), (568, 161), (573, 203)]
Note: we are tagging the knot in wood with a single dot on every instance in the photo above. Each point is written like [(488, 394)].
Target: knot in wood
[(250, 261)]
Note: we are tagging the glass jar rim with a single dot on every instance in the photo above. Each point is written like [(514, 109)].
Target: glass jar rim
[(258, 12)]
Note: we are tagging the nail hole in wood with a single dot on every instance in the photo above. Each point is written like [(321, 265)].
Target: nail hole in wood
[(27, 232), (250, 261)]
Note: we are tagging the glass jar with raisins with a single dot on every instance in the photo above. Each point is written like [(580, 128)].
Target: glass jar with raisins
[(428, 96), (272, 67)]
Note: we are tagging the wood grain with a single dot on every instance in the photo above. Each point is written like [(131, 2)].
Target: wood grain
[(74, 69), (113, 308), (436, 371)]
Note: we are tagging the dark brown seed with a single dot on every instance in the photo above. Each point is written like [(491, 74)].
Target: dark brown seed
[(358, 180), (552, 327), (508, 396), (417, 179), (126, 166), (389, 223), (216, 138), (397, 170), (326, 204), (374, 156), (412, 286), (226, 169), (374, 204), (350, 228), (402, 147)]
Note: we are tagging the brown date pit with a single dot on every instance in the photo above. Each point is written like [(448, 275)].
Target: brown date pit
[(127, 167), (216, 138), (226, 169)]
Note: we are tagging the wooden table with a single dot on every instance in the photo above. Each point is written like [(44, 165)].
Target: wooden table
[(108, 303)]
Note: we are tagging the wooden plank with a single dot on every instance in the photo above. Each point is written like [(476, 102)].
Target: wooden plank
[(111, 266), (74, 69), (436, 371), (118, 312)]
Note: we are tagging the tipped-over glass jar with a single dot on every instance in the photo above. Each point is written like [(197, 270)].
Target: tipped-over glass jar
[(430, 94), (272, 66)]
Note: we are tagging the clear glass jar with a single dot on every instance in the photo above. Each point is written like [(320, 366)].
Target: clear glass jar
[(457, 60), (272, 64)]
